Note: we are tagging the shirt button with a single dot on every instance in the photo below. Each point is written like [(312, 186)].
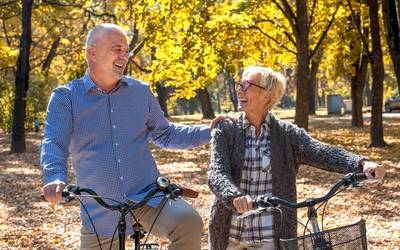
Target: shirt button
[(112, 110), (121, 178), (116, 144), (114, 126), (119, 160)]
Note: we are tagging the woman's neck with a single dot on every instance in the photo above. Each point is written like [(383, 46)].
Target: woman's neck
[(257, 119)]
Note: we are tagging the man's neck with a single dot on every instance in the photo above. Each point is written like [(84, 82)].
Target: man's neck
[(102, 82)]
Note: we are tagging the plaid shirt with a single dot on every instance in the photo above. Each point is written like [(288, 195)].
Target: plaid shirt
[(256, 180)]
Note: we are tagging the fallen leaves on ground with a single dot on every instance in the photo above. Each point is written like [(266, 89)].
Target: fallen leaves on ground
[(27, 222)]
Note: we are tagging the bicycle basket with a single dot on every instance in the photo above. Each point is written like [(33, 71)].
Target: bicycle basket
[(351, 237)]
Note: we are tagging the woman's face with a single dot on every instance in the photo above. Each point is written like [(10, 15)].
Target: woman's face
[(252, 97)]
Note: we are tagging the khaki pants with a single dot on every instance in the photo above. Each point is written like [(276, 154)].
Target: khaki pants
[(178, 222), (234, 245)]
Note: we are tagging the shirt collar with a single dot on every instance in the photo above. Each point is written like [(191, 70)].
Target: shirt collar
[(245, 123), (89, 83)]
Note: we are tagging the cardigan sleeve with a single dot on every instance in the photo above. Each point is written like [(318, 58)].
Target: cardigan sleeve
[(219, 173), (321, 155)]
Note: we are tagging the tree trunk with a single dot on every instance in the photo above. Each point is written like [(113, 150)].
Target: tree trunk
[(358, 80), (192, 105), (205, 102), (392, 35), (230, 83), (357, 87), (162, 97), (303, 63), (377, 77), (22, 81), (367, 91), (315, 62)]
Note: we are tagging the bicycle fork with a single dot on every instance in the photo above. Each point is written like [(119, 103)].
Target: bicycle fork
[(320, 241)]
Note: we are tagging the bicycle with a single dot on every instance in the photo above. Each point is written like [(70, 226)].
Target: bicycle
[(162, 184), (346, 237)]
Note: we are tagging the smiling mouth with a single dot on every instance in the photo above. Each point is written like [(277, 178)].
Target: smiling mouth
[(119, 66), (241, 101)]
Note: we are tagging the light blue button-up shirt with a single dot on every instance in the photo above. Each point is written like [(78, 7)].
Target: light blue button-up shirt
[(108, 136)]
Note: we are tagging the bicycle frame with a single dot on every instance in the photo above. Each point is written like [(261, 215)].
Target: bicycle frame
[(172, 191)]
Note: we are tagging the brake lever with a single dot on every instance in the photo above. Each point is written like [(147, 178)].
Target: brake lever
[(69, 193), (259, 210)]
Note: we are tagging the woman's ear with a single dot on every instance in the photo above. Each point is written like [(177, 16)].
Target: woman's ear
[(268, 96)]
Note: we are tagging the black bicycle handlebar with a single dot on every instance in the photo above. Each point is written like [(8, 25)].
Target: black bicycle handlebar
[(162, 185), (349, 179)]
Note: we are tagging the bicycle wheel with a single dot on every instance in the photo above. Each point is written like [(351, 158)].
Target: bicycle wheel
[(350, 237)]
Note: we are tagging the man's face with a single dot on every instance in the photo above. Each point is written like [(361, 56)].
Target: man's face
[(110, 55)]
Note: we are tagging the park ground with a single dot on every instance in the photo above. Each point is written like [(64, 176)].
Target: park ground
[(27, 222)]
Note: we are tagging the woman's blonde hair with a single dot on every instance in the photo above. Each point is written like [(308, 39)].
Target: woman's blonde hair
[(272, 81)]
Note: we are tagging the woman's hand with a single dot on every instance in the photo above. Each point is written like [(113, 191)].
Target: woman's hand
[(243, 204), (373, 170)]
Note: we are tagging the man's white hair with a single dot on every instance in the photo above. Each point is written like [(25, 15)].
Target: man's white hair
[(271, 80), (104, 26)]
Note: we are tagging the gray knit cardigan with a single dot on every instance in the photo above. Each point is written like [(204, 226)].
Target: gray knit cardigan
[(290, 148)]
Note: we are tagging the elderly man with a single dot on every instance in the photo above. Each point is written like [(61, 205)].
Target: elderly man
[(105, 119), (258, 155)]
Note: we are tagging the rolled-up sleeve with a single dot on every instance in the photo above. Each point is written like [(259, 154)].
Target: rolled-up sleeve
[(57, 136), (166, 134)]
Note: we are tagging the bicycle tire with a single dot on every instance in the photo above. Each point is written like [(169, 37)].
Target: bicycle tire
[(350, 237)]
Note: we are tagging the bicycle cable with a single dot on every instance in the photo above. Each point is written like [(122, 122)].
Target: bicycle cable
[(78, 197), (154, 222), (112, 238), (326, 202), (90, 219)]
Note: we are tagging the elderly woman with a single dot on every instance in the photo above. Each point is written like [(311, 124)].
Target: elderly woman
[(259, 154)]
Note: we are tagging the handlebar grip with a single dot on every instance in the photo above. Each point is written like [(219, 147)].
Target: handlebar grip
[(190, 193), (360, 177)]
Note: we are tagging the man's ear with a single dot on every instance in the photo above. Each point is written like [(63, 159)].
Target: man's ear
[(91, 51)]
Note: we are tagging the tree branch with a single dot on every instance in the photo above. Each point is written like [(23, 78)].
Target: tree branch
[(325, 31), (56, 3), (358, 27), (289, 36), (50, 56), (147, 71), (272, 38), (100, 15), (312, 12), (8, 39), (287, 12), (7, 3)]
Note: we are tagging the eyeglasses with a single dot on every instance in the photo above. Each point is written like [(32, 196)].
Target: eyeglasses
[(245, 85)]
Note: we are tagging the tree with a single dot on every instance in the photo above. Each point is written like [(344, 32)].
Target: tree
[(392, 29), (301, 23), (377, 77), (21, 81), (360, 66)]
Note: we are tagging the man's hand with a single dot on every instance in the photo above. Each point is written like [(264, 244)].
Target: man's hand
[(53, 191), (373, 170), (243, 204), (216, 120)]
